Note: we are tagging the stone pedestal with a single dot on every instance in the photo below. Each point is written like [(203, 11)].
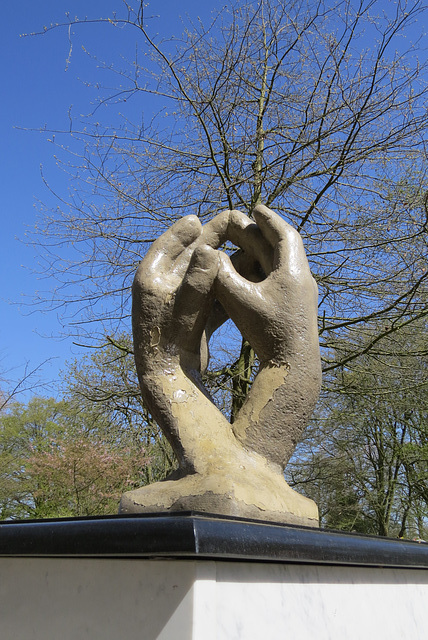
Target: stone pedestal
[(190, 576)]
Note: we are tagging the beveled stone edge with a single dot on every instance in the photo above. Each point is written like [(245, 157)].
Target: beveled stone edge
[(196, 535)]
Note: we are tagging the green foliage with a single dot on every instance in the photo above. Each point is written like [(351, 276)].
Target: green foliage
[(365, 458), (105, 383), (57, 459)]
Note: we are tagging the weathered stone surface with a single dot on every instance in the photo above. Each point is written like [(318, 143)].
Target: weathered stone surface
[(183, 290)]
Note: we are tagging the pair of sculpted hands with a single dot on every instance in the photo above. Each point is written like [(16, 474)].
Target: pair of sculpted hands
[(184, 289)]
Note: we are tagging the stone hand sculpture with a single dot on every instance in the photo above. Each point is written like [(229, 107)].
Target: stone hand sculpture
[(184, 288)]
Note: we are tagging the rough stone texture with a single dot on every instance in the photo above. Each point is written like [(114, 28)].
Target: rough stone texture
[(183, 290)]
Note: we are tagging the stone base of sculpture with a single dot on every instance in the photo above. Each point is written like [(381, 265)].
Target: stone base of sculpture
[(259, 496)]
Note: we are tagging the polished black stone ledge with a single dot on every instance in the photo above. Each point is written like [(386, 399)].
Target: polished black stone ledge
[(203, 536)]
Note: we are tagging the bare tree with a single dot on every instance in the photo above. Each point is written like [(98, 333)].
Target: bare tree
[(317, 109), (27, 381)]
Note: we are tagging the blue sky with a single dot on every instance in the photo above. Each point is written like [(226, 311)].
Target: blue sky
[(39, 87)]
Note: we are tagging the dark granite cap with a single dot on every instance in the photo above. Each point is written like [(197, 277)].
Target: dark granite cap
[(203, 536)]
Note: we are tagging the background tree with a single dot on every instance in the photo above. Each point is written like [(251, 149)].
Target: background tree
[(105, 385), (366, 455), (59, 460)]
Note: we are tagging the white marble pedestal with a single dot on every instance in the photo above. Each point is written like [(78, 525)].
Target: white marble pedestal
[(115, 579), (110, 599)]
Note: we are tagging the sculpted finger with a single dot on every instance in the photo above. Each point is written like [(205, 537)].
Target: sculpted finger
[(244, 302), (193, 300), (235, 293), (273, 227), (249, 269), (289, 252), (214, 231), (249, 237), (202, 270), (231, 282), (241, 231), (164, 252)]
